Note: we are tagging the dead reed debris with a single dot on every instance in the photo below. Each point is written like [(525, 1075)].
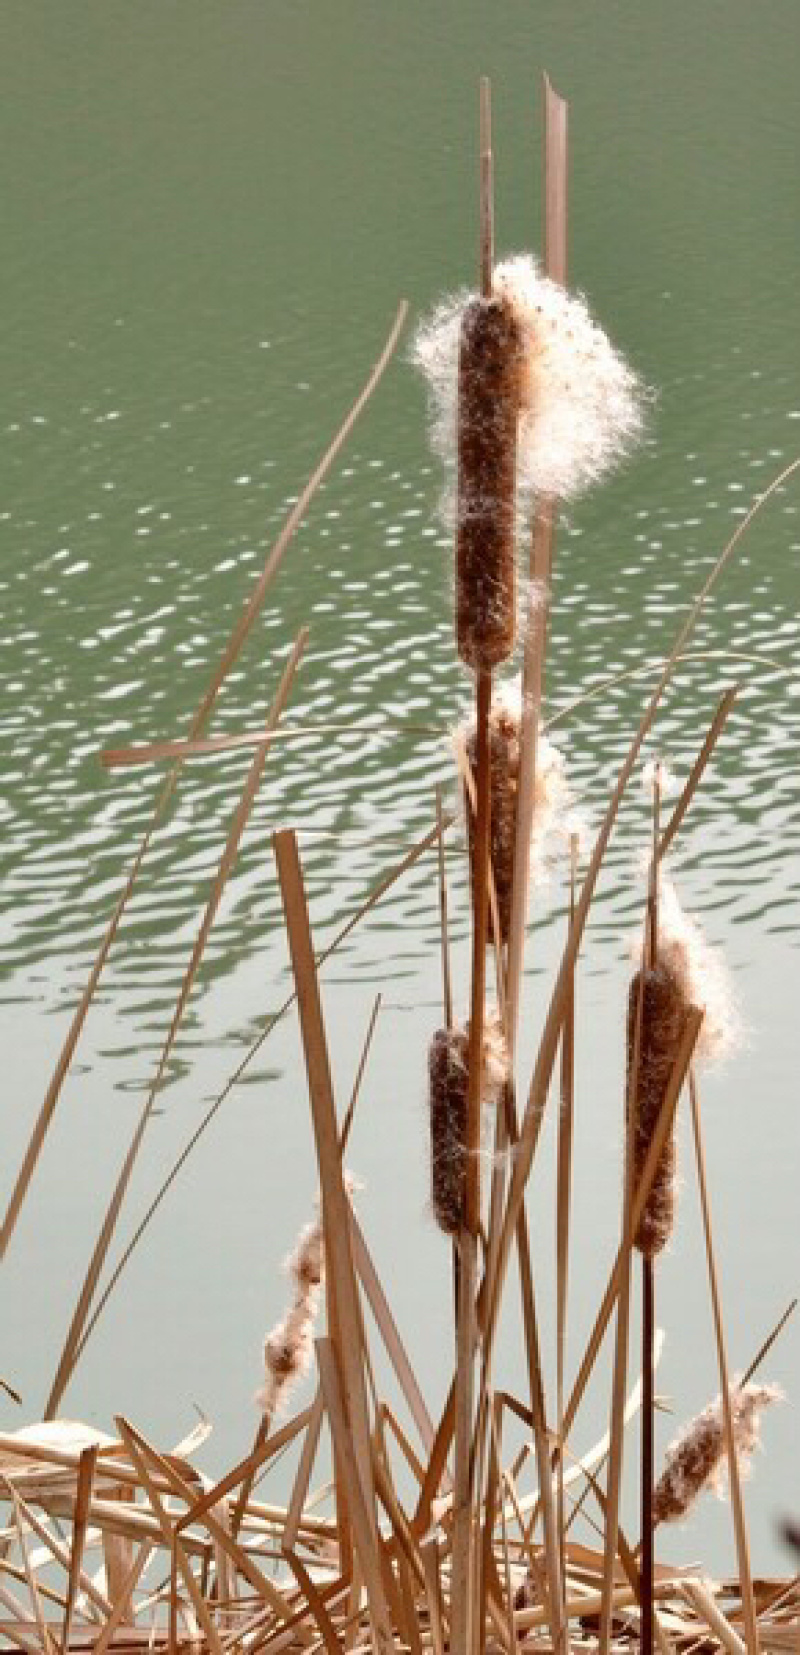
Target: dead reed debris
[(448, 1076), (696, 1459)]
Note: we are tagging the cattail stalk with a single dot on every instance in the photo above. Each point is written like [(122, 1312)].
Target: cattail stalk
[(462, 1620), (648, 1307)]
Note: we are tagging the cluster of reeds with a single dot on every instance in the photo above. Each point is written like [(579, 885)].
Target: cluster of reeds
[(111, 1542)]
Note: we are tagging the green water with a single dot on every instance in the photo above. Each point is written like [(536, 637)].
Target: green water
[(210, 214)]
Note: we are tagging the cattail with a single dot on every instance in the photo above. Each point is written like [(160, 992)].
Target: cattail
[(695, 1460), (688, 973), (662, 1019), (488, 404), (448, 1068), (289, 1344), (550, 797), (580, 405)]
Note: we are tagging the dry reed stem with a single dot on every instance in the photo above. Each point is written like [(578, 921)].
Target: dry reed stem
[(540, 1080), (156, 752), (387, 1328), (375, 895), (174, 1546), (62, 1556), (718, 723), (69, 1355), (80, 1522), (447, 990), (335, 1205), (303, 1477), (766, 1347), (365, 1534), (619, 1376), (737, 1504), (229, 657), (253, 1463), (555, 165), (47, 1642), (702, 1601), (563, 1200), (166, 1473)]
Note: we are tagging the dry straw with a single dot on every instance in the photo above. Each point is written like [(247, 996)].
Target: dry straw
[(695, 1461)]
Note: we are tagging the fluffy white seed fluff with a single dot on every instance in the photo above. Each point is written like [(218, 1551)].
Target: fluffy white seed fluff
[(696, 1459), (581, 405), (701, 972), (288, 1347)]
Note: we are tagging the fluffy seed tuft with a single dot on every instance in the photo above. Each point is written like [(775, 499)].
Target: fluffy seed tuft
[(580, 409), (696, 1459)]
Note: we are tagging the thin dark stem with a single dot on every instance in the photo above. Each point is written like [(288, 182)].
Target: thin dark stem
[(648, 1340)]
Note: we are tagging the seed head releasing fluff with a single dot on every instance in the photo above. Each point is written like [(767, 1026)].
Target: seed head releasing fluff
[(695, 1460), (448, 1068), (288, 1347), (688, 972), (550, 801), (580, 405), (489, 382)]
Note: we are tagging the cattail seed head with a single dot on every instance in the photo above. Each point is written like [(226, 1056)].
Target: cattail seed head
[(307, 1262), (662, 1020), (580, 405), (448, 1075), (287, 1353), (550, 797), (288, 1347), (489, 368), (695, 1460)]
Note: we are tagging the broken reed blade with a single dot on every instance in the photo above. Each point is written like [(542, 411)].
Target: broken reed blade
[(488, 404), (448, 1081)]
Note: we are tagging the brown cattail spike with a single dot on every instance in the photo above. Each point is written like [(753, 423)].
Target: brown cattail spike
[(504, 731), (663, 1010), (489, 382), (448, 1072), (447, 1075), (694, 1461), (550, 798)]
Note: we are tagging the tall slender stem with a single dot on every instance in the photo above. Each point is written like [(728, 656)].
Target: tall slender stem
[(648, 1338)]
